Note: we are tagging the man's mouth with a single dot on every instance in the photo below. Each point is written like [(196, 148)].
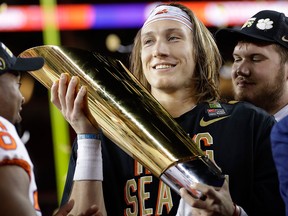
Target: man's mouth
[(163, 66)]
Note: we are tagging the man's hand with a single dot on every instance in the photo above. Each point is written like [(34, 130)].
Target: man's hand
[(72, 101), (218, 201)]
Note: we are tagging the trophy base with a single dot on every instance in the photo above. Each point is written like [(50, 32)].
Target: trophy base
[(198, 170)]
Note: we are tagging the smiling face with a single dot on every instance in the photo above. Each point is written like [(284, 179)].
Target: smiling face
[(11, 97), (167, 55), (258, 75)]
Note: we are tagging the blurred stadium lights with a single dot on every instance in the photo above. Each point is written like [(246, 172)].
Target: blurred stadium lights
[(128, 15)]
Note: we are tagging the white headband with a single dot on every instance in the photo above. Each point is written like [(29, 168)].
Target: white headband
[(166, 12)]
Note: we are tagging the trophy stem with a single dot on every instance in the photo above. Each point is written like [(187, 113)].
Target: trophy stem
[(185, 173)]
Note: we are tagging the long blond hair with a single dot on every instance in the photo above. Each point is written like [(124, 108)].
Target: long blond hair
[(206, 55)]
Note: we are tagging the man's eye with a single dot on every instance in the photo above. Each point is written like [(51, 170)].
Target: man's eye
[(237, 59), (148, 41), (173, 38), (256, 59)]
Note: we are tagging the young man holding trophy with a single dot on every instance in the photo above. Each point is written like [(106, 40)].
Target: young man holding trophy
[(176, 59)]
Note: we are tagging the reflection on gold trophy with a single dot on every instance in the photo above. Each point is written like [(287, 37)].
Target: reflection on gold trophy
[(130, 116)]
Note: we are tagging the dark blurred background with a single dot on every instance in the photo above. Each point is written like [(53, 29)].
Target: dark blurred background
[(36, 115)]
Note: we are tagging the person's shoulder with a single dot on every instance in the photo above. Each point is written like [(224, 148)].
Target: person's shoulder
[(5, 124), (243, 106), (283, 121), (233, 107), (248, 112), (9, 140), (8, 131), (280, 127), (4, 120), (239, 104)]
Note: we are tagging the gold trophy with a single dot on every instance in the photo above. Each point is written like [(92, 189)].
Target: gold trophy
[(130, 116)]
